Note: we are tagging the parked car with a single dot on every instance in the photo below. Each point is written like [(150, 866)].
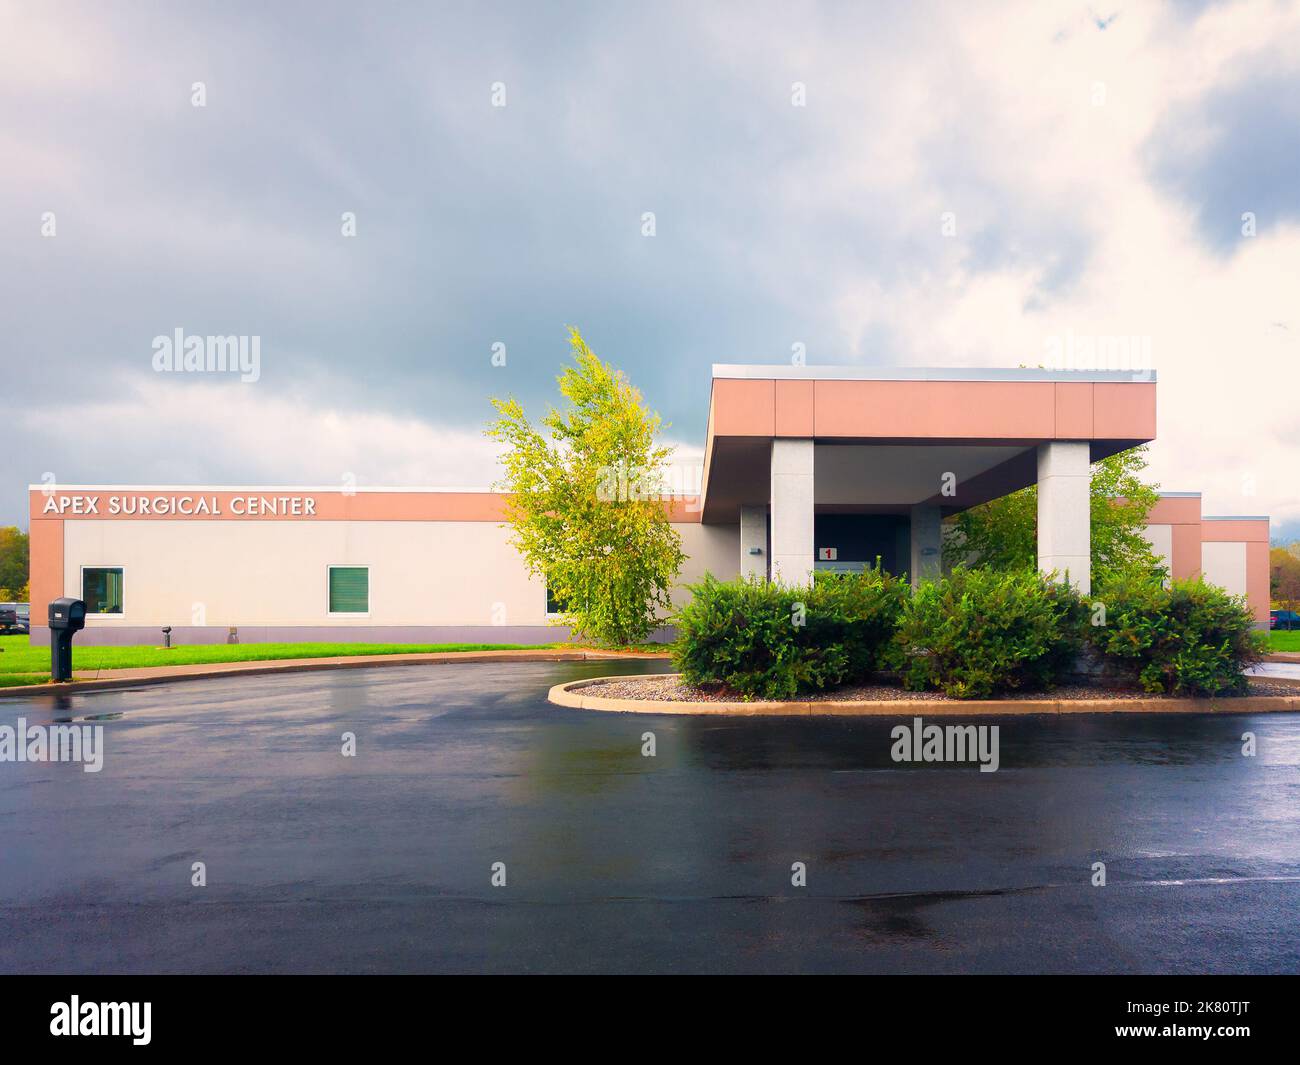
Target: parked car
[(1283, 619), (15, 618)]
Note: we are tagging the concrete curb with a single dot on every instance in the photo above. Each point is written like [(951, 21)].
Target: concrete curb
[(108, 679), (569, 695)]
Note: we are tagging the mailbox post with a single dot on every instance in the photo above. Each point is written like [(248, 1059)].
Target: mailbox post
[(67, 618)]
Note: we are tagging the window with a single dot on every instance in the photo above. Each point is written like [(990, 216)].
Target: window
[(349, 590), (554, 606), (101, 588)]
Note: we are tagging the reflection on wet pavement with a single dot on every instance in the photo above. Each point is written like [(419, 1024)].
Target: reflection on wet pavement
[(620, 862)]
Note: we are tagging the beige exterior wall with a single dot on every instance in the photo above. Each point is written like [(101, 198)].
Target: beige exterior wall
[(709, 548), (1161, 539), (438, 561), (1224, 564), (1231, 552), (223, 573)]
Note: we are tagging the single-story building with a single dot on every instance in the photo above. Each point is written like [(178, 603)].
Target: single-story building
[(804, 468)]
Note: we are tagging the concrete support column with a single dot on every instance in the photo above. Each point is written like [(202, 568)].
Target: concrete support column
[(927, 544), (753, 538), (1064, 513), (793, 549)]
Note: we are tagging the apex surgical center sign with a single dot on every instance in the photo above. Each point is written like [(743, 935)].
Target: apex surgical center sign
[(169, 505)]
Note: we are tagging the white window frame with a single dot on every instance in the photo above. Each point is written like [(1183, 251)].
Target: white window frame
[(345, 613), (81, 588)]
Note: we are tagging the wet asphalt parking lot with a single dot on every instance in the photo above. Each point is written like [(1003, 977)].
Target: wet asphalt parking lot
[(615, 861)]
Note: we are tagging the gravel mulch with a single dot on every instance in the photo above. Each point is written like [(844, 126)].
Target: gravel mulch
[(661, 688)]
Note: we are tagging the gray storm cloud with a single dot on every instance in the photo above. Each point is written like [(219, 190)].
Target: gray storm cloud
[(476, 225)]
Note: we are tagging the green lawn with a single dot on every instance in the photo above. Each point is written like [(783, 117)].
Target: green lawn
[(1283, 640), (18, 656), (17, 680)]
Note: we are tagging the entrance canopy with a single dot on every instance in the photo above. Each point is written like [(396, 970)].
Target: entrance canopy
[(884, 439), (789, 446)]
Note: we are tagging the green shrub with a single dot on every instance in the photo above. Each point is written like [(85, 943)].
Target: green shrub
[(981, 631), (862, 612), (771, 641), (1190, 638), (972, 634)]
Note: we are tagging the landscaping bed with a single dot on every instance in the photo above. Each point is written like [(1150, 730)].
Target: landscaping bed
[(975, 634), (669, 688)]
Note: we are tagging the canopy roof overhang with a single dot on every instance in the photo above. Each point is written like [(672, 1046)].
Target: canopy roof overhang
[(885, 438)]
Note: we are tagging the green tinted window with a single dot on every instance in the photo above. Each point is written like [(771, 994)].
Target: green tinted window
[(555, 604), (349, 590), (101, 588)]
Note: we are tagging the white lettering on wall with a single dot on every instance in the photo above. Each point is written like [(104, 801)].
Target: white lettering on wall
[(184, 506)]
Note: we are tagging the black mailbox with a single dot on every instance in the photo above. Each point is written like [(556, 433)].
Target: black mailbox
[(67, 618)]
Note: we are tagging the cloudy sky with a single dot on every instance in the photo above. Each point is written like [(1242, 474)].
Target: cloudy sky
[(1094, 165)]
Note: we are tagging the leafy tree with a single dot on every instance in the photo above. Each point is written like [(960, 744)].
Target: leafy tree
[(1284, 576), (13, 564), (586, 501), (1003, 533)]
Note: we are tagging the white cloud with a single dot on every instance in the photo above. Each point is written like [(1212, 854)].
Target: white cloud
[(818, 224), (204, 432), (1225, 333), (227, 432)]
